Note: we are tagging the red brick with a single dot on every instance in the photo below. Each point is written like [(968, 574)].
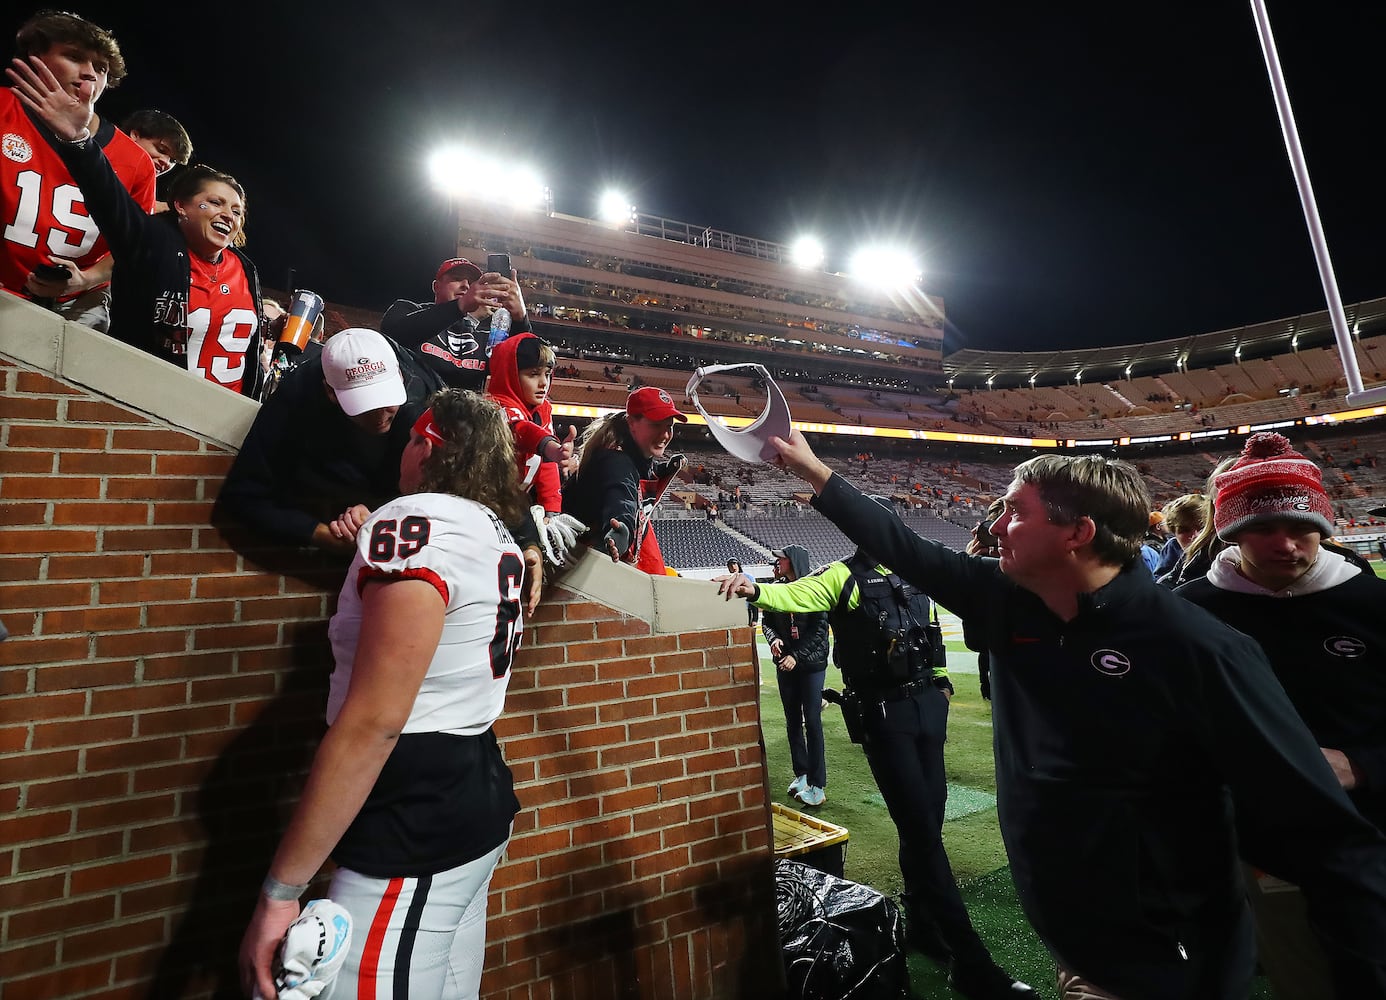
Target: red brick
[(581, 739), (151, 488), (29, 826), (17, 463), (658, 684), (126, 812), (57, 437), (146, 539), (105, 463), (146, 591), (49, 540), (123, 644), (192, 563), (142, 697), (19, 567), (70, 791), (17, 515), (36, 408), (22, 649), (152, 439), (70, 851), (186, 775), (674, 813), (65, 981), (633, 798), (132, 754), (535, 844), (559, 634), (32, 708), (126, 935), (633, 708), (83, 732), (704, 640), (17, 962), (107, 619), (682, 702), (660, 770), (190, 613), (40, 383), (236, 688), (241, 585), (97, 567), (23, 894), (19, 623), (230, 636), (184, 665), (584, 694), (651, 645), (191, 465), (198, 513), (120, 874), (654, 728), (628, 754), (97, 411), (84, 676), (13, 739), (184, 719), (100, 514), (594, 652)]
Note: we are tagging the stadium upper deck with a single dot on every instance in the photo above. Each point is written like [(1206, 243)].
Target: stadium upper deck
[(657, 277)]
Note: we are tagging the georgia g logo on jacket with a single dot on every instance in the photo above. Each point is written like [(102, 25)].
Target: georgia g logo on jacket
[(1347, 646), (1110, 662)]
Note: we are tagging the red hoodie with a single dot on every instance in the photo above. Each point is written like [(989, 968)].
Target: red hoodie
[(531, 426)]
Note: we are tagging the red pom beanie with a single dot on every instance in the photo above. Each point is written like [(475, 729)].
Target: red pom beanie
[(1270, 481)]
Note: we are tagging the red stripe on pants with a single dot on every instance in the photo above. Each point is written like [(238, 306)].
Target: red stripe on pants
[(375, 940)]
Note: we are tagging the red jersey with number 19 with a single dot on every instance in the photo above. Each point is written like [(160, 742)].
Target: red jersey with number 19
[(41, 208), (221, 319), (463, 550)]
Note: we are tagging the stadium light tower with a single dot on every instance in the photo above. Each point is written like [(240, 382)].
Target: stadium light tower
[(614, 207), (885, 267), (464, 173), (806, 252)]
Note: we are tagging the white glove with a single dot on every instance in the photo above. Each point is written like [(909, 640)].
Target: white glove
[(558, 534), (313, 950)]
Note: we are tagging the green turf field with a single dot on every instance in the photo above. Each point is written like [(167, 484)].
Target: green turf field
[(970, 831)]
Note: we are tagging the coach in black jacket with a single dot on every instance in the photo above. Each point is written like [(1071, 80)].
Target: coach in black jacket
[(1140, 743)]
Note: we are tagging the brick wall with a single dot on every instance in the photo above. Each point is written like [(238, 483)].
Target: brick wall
[(162, 690)]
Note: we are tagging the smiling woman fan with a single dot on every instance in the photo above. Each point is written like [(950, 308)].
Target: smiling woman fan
[(181, 289)]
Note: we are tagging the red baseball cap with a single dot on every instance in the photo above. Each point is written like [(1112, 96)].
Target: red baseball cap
[(453, 263), (653, 403)]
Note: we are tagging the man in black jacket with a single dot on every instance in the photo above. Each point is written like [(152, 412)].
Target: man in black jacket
[(448, 336), (799, 647), (1140, 744), (328, 441)]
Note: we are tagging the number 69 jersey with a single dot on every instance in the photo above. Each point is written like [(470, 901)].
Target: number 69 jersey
[(461, 548)]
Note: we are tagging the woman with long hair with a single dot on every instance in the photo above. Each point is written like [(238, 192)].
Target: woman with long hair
[(408, 792), (181, 289), (622, 473)]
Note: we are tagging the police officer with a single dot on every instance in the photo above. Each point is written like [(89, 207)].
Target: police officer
[(896, 707)]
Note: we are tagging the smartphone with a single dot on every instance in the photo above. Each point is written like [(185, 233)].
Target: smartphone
[(51, 272), (499, 263)]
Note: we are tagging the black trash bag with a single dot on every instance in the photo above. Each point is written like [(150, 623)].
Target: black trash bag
[(840, 940)]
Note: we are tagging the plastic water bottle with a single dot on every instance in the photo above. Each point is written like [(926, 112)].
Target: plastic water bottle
[(500, 328)]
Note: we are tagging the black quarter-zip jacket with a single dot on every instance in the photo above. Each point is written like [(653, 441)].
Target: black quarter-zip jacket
[(1140, 748)]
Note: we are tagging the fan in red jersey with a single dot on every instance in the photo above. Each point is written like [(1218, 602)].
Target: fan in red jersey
[(181, 290), (41, 210)]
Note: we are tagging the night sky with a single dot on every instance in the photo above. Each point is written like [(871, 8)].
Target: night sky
[(1067, 179)]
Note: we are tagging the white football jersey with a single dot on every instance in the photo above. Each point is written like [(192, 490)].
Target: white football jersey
[(462, 549)]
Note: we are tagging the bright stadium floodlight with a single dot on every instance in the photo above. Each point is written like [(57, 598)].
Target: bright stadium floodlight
[(806, 252), (885, 267), (463, 173), (614, 207)]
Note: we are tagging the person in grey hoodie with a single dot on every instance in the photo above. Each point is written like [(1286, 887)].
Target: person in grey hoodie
[(799, 646)]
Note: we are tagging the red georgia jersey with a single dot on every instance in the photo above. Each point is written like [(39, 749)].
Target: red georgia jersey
[(41, 208), (221, 320)]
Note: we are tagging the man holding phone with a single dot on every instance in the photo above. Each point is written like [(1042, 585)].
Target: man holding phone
[(449, 336)]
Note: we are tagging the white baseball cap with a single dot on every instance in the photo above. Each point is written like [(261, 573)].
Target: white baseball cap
[(362, 370), (750, 443)]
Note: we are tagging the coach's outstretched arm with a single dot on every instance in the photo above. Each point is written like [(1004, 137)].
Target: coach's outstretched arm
[(959, 582)]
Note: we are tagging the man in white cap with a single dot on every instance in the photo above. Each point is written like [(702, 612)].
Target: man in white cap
[(1318, 618), (328, 440)]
